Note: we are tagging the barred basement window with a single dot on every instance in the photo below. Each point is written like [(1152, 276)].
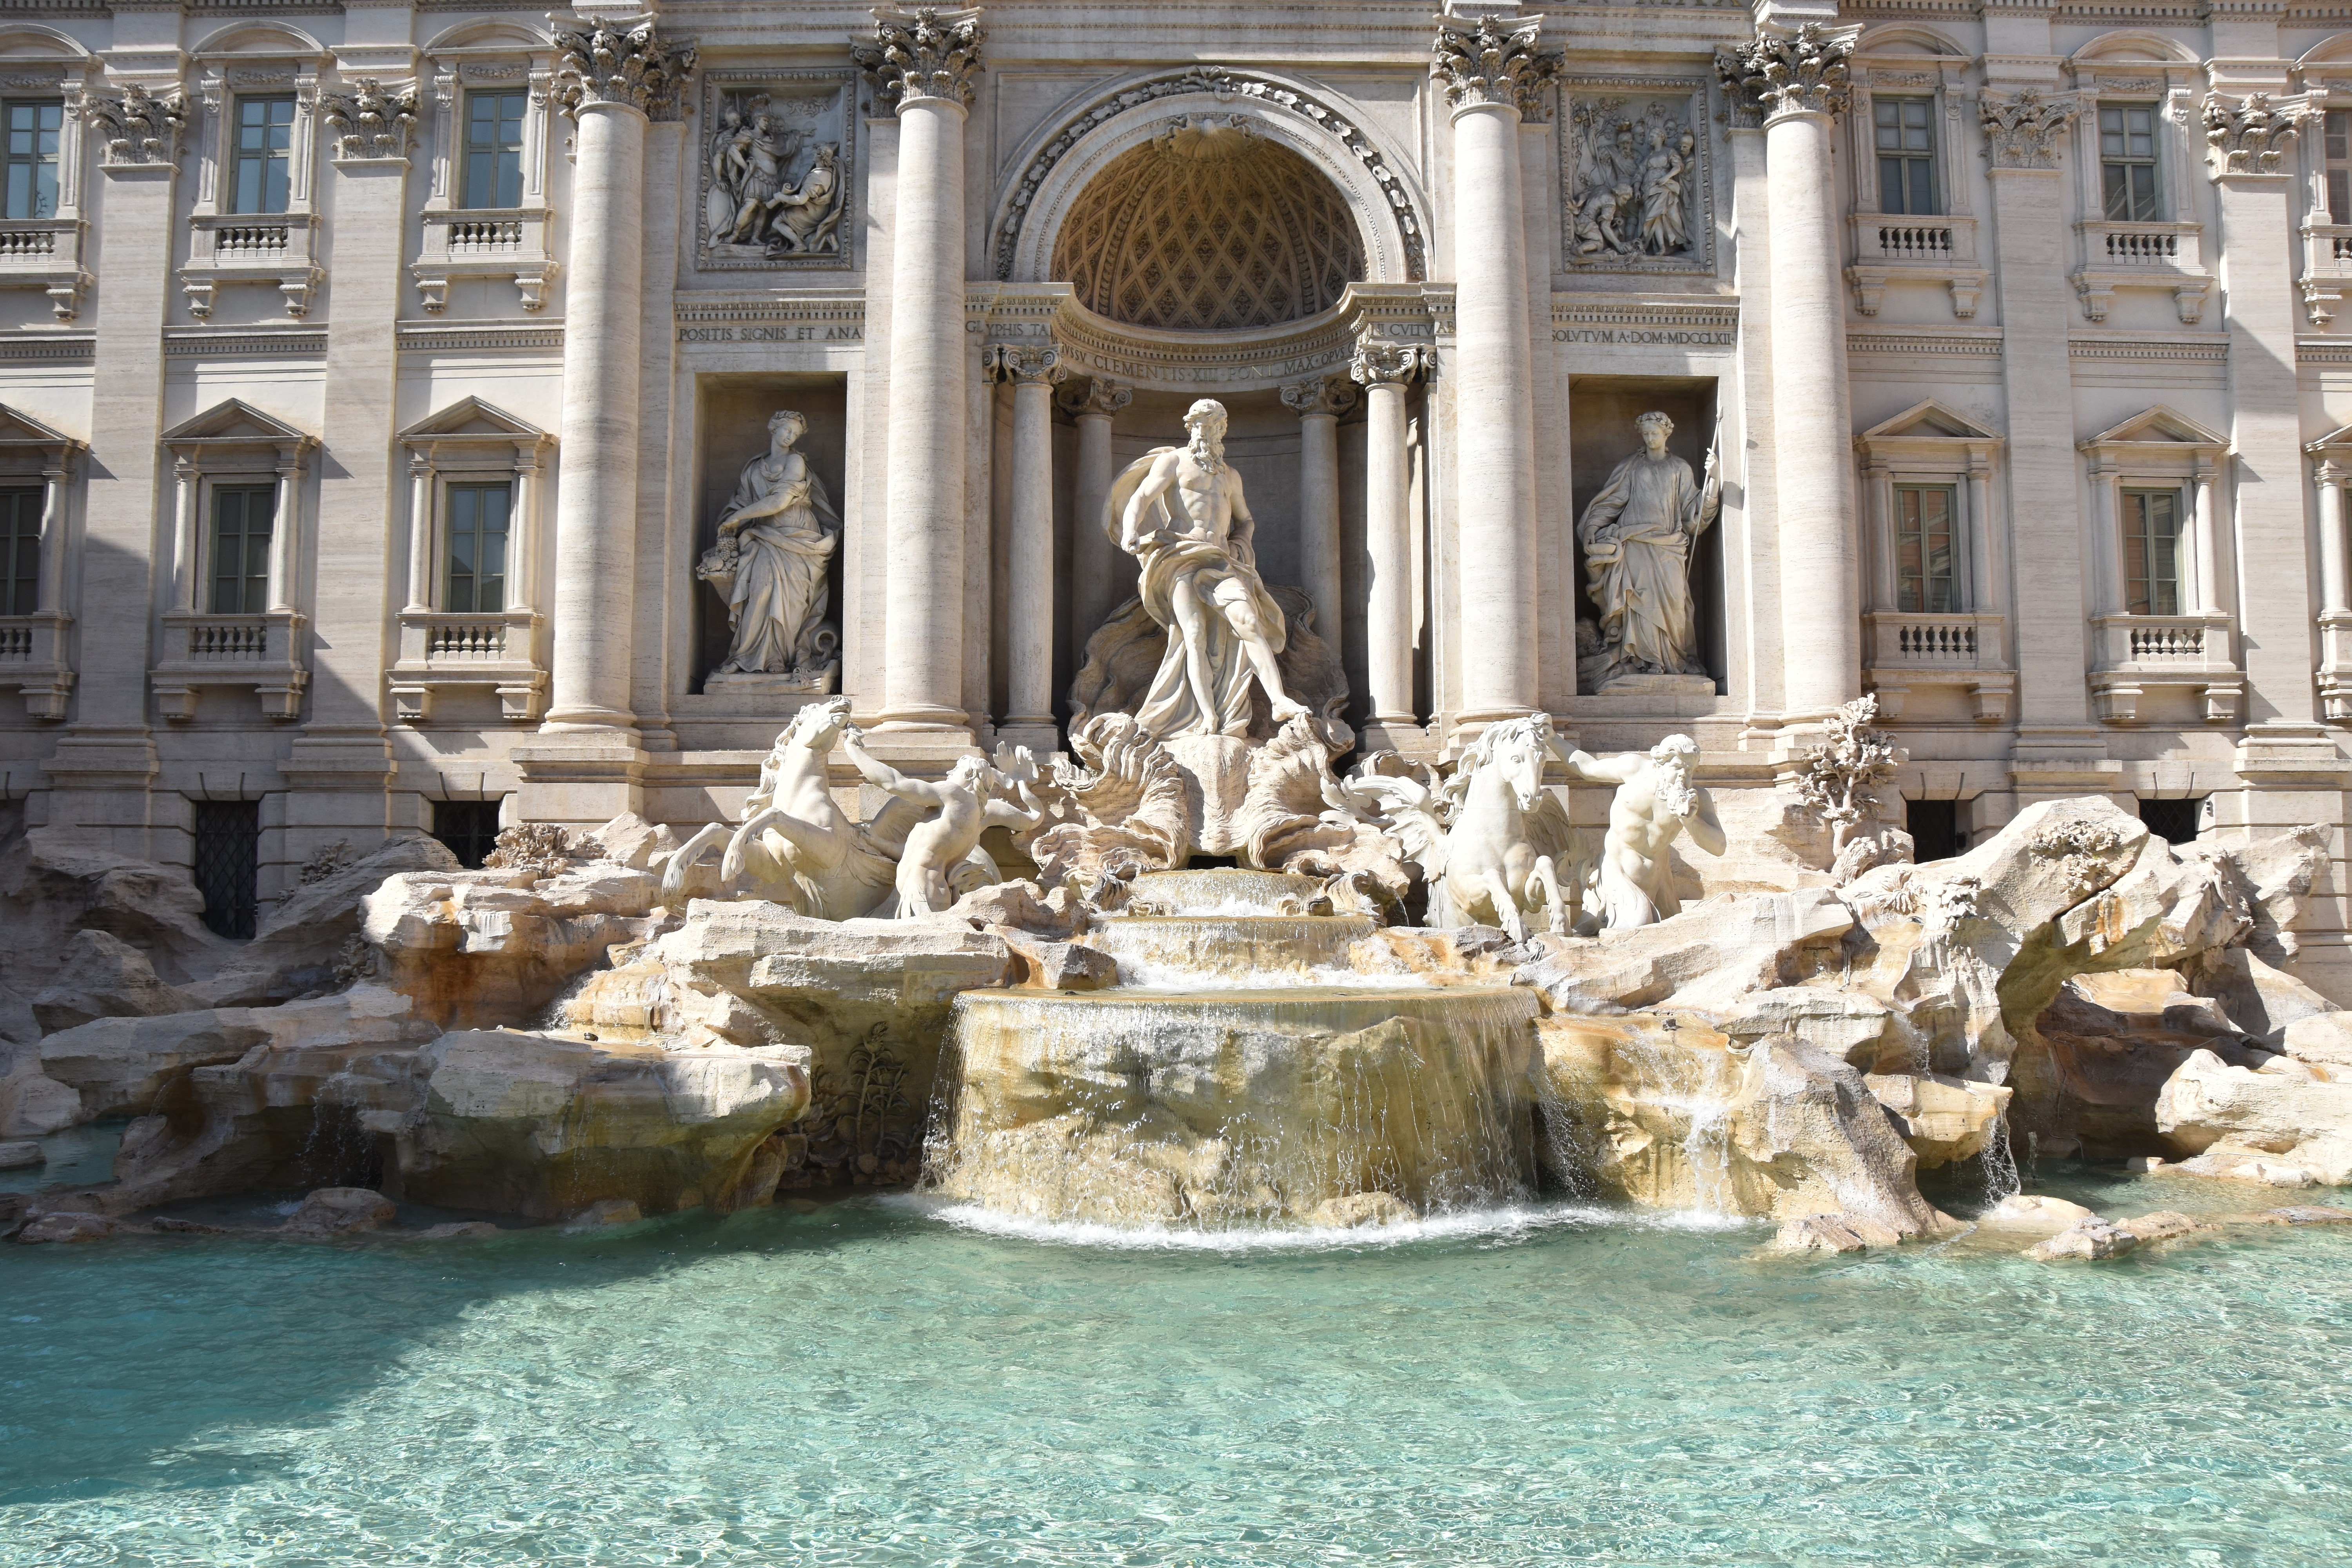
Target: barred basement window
[(467, 829), (1935, 829), (2152, 552), (20, 551), (2174, 820), (229, 865), (1926, 574)]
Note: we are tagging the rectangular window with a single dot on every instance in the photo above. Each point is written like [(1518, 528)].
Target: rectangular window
[(2152, 552), (468, 828), (2127, 162), (34, 129), (1926, 576), (264, 155), (242, 515), (2173, 819), (1935, 829), (2337, 150), (493, 150), (228, 871), (20, 551), (477, 552), (1907, 155)]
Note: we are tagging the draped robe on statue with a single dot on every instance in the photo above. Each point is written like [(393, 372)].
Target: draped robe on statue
[(1173, 707), (1637, 537), (774, 577)]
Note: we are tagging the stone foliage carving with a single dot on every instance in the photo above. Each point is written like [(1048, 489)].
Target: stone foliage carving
[(1384, 365), (1324, 395), (1783, 72), (637, 67), (1637, 179), (1019, 363), (2022, 128), (2253, 135), (775, 176), (1096, 394), (1840, 781), (926, 53), (140, 127), (372, 121), (777, 537), (1224, 84), (1657, 802), (1495, 62), (1637, 536)]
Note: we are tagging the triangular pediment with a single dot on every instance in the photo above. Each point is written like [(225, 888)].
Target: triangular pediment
[(18, 428), (471, 416), (235, 420), (2337, 439), (2159, 425), (1931, 419)]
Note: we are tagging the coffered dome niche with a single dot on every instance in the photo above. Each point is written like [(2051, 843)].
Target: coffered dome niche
[(1208, 227)]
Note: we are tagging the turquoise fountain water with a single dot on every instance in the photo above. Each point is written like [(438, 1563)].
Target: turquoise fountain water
[(877, 1382)]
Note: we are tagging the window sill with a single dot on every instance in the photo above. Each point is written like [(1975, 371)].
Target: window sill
[(33, 660), (486, 242), (256, 652), (44, 253), (2135, 653), (1912, 650), (444, 651)]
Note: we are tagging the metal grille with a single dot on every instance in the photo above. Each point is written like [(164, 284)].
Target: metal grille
[(228, 864), (469, 828), (2173, 820)]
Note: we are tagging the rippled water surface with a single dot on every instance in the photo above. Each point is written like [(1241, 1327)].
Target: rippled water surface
[(871, 1383)]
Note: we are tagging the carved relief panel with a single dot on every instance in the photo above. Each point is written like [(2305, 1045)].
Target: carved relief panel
[(775, 153), (1637, 162)]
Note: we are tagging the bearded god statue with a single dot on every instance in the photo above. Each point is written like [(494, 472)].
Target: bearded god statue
[(1637, 536), (1180, 512)]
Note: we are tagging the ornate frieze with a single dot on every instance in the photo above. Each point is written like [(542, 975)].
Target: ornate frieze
[(1783, 72), (1497, 61), (1033, 364), (1387, 364), (372, 121), (1639, 196), (141, 128), (776, 170), (638, 68), (926, 53), (2252, 136), (2021, 128)]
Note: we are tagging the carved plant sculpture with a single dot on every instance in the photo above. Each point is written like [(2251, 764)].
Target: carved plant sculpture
[(371, 122), (1839, 777)]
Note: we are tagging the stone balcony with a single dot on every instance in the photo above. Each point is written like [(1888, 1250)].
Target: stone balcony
[(1908, 651), (441, 652), (33, 660), (276, 247), (256, 652), (2167, 256), (493, 243), (1937, 249), (45, 254), (2132, 654), (2327, 269)]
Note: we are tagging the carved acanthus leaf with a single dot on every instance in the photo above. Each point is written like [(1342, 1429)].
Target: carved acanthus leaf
[(2251, 135), (2023, 129), (1784, 72), (373, 121), (1497, 61), (1032, 363), (926, 53), (637, 67), (1324, 395), (1383, 364), (140, 127)]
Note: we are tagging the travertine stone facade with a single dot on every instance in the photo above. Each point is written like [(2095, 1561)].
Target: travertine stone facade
[(374, 381)]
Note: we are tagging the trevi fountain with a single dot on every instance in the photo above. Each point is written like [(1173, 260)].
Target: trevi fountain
[(1302, 1012)]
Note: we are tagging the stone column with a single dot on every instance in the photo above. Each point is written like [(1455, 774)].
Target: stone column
[(1029, 610), (53, 534), (1798, 77), (1383, 371), (1984, 586), (609, 81), (2335, 590), (420, 538), (1099, 571), (99, 775), (1493, 75), (922, 63), (2205, 550), (1319, 405)]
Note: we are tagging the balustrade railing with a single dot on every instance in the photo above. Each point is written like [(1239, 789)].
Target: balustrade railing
[(468, 640), (251, 240), (15, 643), (237, 639), (2153, 641)]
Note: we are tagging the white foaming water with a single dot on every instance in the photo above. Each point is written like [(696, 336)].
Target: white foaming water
[(1509, 1222), (1142, 975)]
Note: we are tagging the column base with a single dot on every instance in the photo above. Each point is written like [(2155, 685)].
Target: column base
[(924, 718), (579, 781), (1042, 736), (588, 718)]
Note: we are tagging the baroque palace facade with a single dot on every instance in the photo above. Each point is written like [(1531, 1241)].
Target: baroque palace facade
[(390, 436)]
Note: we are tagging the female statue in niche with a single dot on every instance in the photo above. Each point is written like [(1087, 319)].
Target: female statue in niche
[(1637, 536), (776, 540)]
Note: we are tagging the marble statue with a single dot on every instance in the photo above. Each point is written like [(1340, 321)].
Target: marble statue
[(1180, 512), (1630, 183), (1656, 802), (805, 220), (1637, 536), (956, 810), (1490, 844), (776, 542)]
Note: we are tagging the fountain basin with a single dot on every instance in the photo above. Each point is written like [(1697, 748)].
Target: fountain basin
[(1135, 1107), (1224, 949), (1225, 891)]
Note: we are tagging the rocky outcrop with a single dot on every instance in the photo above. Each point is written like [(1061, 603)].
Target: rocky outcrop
[(1708, 956), (1945, 1120), (2283, 1115), (102, 976)]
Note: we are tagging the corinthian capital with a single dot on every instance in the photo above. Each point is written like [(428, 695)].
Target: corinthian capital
[(1782, 72), (1096, 395), (1033, 364), (637, 67), (2023, 129), (1325, 394), (1497, 61), (1387, 364), (926, 53), (372, 121), (2252, 136), (140, 127)]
